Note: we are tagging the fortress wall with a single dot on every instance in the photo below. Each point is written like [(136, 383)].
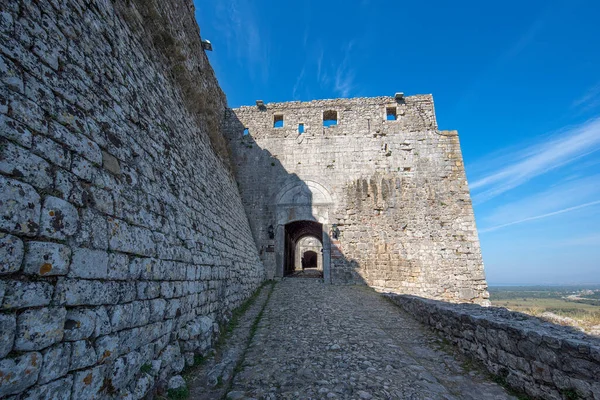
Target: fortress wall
[(123, 240), (401, 199), (538, 358)]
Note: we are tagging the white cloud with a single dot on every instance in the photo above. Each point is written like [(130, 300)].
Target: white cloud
[(520, 167), (541, 216)]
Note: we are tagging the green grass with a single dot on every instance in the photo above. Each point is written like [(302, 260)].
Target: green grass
[(146, 368), (178, 394)]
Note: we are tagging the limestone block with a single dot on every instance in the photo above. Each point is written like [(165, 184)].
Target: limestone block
[(59, 218), (130, 239), (118, 267), (111, 163), (78, 292), (147, 290), (39, 328), (56, 362), (21, 294), (57, 390), (94, 230), (102, 324), (20, 211), (142, 386), (14, 130), (76, 142), (52, 151), (87, 384), (8, 328), (125, 368), (89, 264), (19, 373), (83, 355), (80, 324), (20, 163), (11, 253), (83, 169), (47, 259), (157, 309), (176, 382), (107, 348)]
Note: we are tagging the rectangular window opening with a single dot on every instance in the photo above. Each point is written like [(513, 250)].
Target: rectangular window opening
[(246, 132), (390, 113), (277, 121), (301, 128), (330, 118)]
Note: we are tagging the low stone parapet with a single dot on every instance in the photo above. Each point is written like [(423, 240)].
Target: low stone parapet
[(532, 356)]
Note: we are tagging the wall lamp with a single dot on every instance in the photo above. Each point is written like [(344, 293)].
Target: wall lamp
[(271, 232), (335, 232)]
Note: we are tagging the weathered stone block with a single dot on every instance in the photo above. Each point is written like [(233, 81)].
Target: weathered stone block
[(102, 325), (111, 163), (89, 264), (94, 230), (26, 166), (130, 239), (59, 218), (19, 373), (57, 390), (87, 384), (39, 328), (20, 211), (21, 294), (83, 355), (107, 348), (80, 324), (77, 292), (11, 253), (51, 151), (56, 362), (125, 368), (47, 259), (8, 328), (148, 290), (118, 267), (14, 130), (76, 142)]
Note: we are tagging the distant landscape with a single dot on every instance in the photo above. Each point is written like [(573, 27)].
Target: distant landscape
[(577, 306)]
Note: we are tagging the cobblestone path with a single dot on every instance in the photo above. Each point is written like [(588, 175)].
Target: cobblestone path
[(316, 341)]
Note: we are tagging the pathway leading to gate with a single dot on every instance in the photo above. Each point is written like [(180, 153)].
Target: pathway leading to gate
[(317, 341)]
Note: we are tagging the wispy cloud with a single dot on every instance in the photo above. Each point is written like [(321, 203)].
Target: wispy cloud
[(541, 216), (245, 37), (589, 100), (344, 75), (520, 167), (567, 196)]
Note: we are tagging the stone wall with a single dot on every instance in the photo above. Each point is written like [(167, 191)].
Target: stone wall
[(123, 240), (399, 193), (538, 358)]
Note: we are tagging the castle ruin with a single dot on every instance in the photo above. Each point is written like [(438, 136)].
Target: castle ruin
[(137, 210)]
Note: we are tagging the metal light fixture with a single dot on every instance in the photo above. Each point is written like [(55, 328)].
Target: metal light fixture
[(335, 232), (260, 103), (207, 45), (271, 232), (398, 96)]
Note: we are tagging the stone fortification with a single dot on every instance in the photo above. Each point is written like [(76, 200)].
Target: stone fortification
[(395, 189), (541, 359), (123, 240)]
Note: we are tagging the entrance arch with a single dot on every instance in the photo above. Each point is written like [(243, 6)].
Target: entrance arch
[(294, 232), (302, 209), (310, 259)]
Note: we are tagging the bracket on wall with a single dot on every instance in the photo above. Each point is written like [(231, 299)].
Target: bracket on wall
[(206, 45)]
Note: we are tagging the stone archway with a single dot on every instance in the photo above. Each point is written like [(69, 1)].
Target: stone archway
[(302, 209)]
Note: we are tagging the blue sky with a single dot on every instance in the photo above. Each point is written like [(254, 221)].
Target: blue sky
[(519, 80)]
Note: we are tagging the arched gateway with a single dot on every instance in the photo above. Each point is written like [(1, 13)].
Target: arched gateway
[(302, 210)]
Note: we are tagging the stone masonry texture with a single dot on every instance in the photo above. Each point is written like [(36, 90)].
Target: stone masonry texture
[(398, 190), (123, 239)]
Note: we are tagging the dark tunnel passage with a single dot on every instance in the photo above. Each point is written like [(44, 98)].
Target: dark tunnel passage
[(294, 231)]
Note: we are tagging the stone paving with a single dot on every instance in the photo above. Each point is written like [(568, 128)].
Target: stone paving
[(349, 342)]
